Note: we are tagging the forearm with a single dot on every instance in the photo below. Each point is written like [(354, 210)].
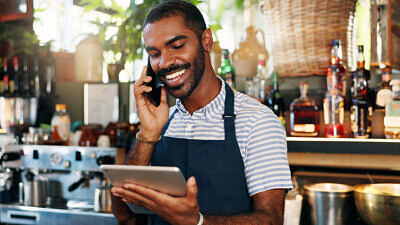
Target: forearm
[(140, 154), (254, 218)]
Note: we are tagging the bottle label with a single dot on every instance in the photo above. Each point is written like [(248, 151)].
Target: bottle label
[(383, 96), (64, 127), (5, 82), (11, 86), (326, 111), (341, 112), (304, 128), (354, 118), (392, 121)]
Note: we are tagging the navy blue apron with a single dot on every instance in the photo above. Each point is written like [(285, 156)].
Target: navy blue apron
[(217, 166)]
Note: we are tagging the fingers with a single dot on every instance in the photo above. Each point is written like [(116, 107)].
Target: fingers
[(163, 98), (191, 189), (146, 192), (134, 197), (139, 86)]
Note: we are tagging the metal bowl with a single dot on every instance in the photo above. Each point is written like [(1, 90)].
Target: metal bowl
[(378, 204), (330, 203)]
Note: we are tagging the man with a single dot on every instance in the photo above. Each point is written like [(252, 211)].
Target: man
[(230, 148)]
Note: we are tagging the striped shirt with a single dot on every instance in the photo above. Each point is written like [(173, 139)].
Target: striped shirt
[(260, 136)]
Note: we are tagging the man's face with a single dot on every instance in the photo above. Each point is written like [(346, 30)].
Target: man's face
[(176, 55)]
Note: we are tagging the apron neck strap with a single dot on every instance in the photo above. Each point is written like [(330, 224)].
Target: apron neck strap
[(229, 114)]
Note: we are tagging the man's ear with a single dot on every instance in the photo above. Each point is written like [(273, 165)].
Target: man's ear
[(207, 39)]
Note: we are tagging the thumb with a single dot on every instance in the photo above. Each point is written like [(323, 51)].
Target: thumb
[(191, 189)]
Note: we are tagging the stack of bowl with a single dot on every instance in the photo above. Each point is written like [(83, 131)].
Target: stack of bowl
[(377, 204)]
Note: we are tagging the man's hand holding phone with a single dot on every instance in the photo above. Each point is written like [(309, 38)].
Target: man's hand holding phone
[(152, 117)]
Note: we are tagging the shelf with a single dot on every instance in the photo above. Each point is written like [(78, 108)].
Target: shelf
[(379, 154), (344, 145)]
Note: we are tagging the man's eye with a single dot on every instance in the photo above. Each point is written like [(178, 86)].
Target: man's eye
[(153, 55), (178, 47)]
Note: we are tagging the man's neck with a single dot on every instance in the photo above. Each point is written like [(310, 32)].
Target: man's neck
[(207, 90)]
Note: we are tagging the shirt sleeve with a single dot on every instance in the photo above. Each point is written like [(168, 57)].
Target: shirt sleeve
[(266, 163)]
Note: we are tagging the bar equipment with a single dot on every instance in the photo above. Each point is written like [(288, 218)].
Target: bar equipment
[(378, 203), (330, 203), (56, 184)]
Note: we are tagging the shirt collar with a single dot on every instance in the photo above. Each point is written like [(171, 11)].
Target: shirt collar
[(215, 107)]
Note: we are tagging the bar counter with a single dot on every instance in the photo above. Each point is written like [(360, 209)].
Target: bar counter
[(380, 154)]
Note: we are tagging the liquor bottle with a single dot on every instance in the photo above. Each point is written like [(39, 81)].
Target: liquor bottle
[(6, 75), (336, 64), (333, 103), (250, 87), (25, 78), (61, 124), (275, 100), (261, 79), (226, 71), (384, 90), (304, 115), (361, 109), (1, 78), (16, 76), (49, 73), (35, 82), (392, 113)]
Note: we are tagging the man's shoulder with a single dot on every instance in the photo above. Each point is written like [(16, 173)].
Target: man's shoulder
[(245, 104)]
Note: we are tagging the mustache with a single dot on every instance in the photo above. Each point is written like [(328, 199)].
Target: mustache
[(162, 72)]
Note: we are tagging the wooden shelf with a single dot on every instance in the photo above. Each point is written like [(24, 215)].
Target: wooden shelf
[(377, 154)]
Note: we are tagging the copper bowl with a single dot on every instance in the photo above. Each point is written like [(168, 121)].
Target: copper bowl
[(378, 204)]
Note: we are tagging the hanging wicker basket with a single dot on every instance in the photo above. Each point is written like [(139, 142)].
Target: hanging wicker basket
[(301, 31)]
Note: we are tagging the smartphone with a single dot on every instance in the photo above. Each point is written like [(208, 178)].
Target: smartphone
[(155, 83)]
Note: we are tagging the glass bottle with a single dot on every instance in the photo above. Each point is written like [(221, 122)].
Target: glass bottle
[(275, 100), (361, 110), (5, 77), (88, 137), (304, 115), (333, 103), (61, 124), (1, 78), (14, 82), (261, 78), (336, 64), (35, 81), (226, 71), (392, 113), (25, 78), (384, 90)]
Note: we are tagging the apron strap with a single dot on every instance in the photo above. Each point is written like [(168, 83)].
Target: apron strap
[(229, 115), (167, 124)]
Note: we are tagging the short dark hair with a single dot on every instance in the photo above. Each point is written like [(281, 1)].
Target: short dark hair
[(191, 14)]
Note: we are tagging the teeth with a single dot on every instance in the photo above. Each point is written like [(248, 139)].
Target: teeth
[(174, 75)]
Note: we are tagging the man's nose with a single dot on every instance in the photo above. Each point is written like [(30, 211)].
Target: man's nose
[(166, 61)]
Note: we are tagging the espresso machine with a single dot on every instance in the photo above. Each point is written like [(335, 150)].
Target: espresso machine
[(57, 185)]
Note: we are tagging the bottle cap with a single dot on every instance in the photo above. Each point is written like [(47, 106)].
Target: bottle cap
[(61, 107), (335, 42), (361, 48)]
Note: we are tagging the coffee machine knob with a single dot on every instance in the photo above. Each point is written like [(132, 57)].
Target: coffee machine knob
[(67, 164), (56, 158)]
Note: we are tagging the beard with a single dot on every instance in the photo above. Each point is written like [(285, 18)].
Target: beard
[(193, 79)]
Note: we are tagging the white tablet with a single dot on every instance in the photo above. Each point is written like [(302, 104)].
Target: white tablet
[(164, 179)]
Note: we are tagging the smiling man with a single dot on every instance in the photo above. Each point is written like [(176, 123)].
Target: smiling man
[(230, 148)]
